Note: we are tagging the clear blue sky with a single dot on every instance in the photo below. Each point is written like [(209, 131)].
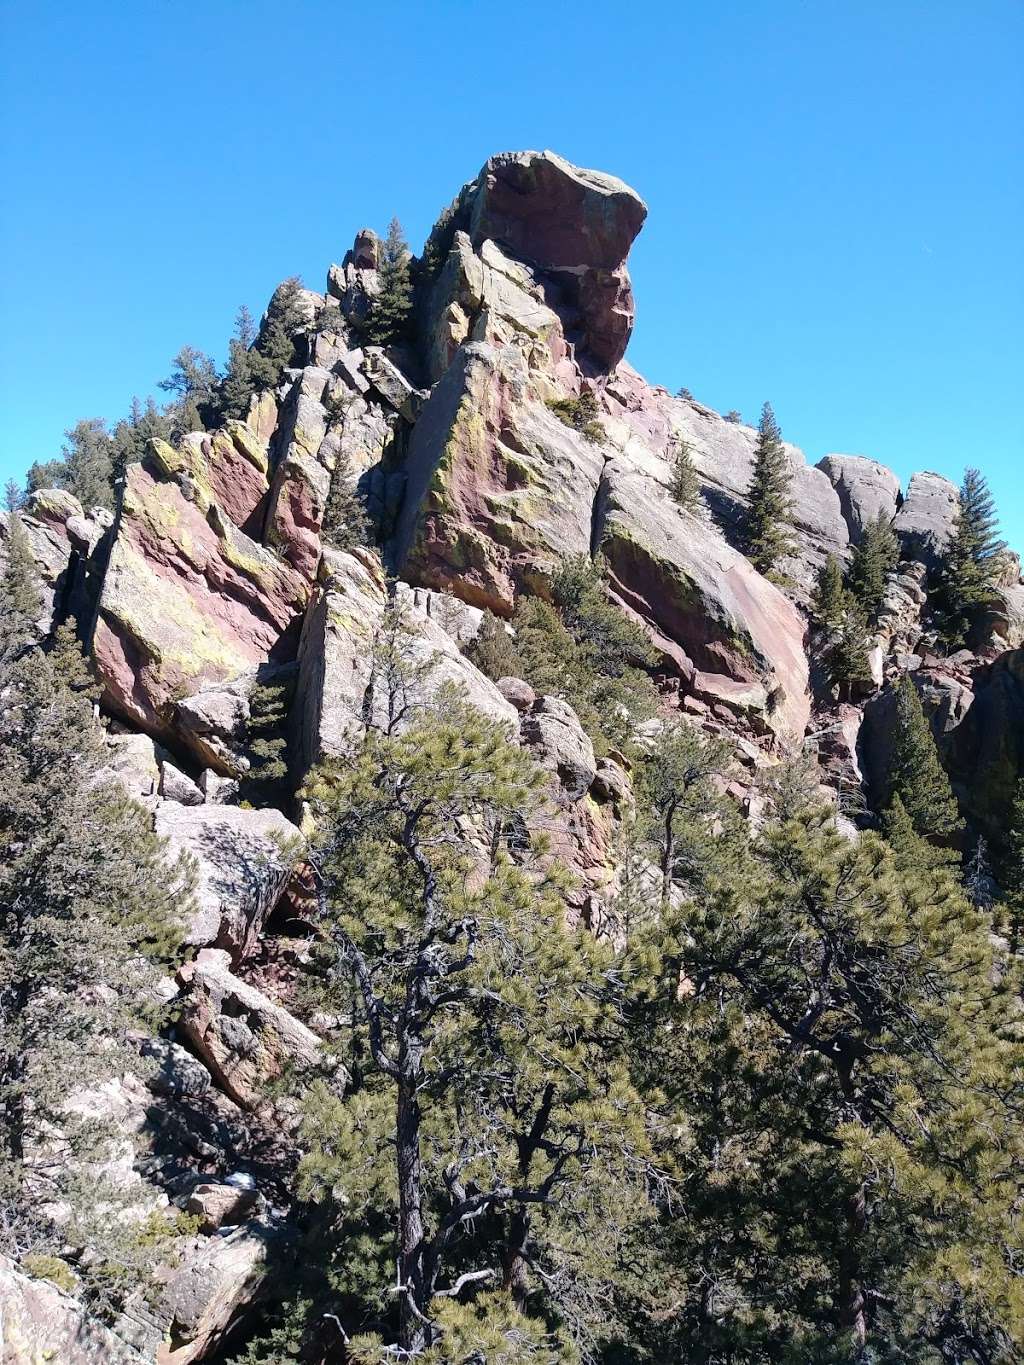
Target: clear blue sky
[(835, 188)]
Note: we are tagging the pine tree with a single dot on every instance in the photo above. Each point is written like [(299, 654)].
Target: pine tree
[(847, 656), (390, 314), (193, 382), (90, 905), (830, 597), (85, 467), (274, 349), (769, 509), (971, 561), (493, 649), (346, 524), (133, 434), (1011, 869), (20, 594), (492, 1118), (685, 485), (267, 744), (14, 496), (873, 560), (827, 1093), (238, 385), (915, 773)]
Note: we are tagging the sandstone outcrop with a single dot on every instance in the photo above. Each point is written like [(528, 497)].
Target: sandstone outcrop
[(40, 1323)]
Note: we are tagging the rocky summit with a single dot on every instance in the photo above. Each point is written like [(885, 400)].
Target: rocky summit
[(496, 436)]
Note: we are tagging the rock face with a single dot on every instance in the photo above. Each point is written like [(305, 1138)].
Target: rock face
[(245, 1039), (188, 599), (39, 1323), (925, 520), (338, 689), (243, 859), (866, 490)]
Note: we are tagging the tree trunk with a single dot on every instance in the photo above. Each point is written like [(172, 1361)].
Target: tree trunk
[(515, 1279), (413, 1332), (668, 857), (852, 1304)]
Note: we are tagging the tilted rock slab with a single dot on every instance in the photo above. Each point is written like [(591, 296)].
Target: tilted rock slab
[(243, 858), (188, 599), (40, 1323)]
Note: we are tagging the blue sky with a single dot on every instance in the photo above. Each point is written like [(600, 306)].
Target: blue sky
[(835, 190)]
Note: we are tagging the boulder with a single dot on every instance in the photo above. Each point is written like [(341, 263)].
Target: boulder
[(985, 751), (38, 1322), (216, 1204), (175, 1073), (552, 732), (244, 1039), (219, 1278), (188, 600), (175, 786), (132, 760), (718, 623), (866, 489), (925, 520), (243, 858), (577, 226), (519, 693), (337, 688)]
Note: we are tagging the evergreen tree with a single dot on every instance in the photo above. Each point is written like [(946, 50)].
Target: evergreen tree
[(685, 485), (346, 523), (238, 385), (681, 805), (274, 349), (193, 383), (915, 774), (1011, 869), (493, 650), (582, 414), (489, 1113), (839, 1092), (391, 311), (769, 510), (89, 909), (847, 655), (133, 434), (14, 497), (830, 598), (971, 561), (20, 594), (873, 560), (85, 467), (267, 744)]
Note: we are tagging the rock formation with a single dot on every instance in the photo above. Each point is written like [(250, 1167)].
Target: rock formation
[(213, 578)]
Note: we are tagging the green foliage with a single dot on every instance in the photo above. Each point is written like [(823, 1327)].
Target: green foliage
[(193, 385), (274, 349), (769, 512), (489, 1114), (20, 593), (132, 435), (493, 650), (971, 562), (581, 413), (733, 416), (685, 485), (828, 1094), (85, 467), (847, 655), (346, 524), (873, 560), (391, 312), (265, 783), (239, 382), (830, 599), (1010, 866), (14, 496), (915, 774), (90, 906)]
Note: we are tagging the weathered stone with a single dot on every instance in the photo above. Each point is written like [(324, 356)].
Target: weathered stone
[(217, 1205), (499, 491), (391, 385), (40, 1323), (244, 859), (219, 1278), (175, 786), (132, 760), (575, 224), (552, 731), (519, 693), (51, 550), (55, 506), (866, 490), (925, 520), (708, 610), (244, 1038), (188, 600), (176, 1073), (336, 688), (985, 751)]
